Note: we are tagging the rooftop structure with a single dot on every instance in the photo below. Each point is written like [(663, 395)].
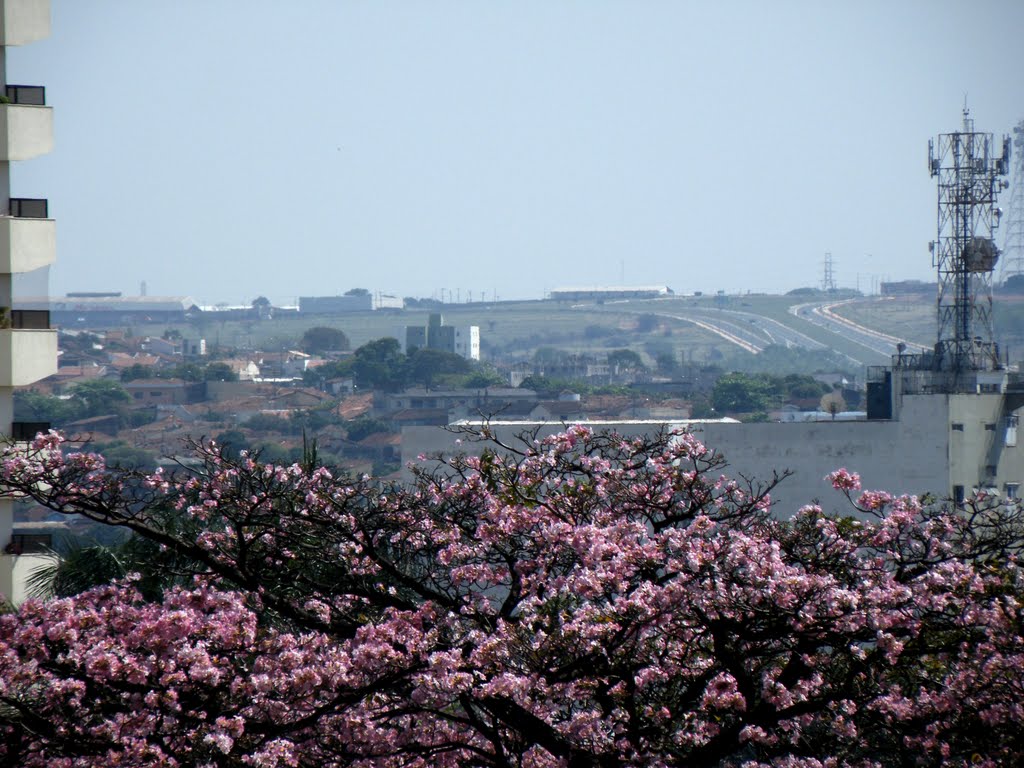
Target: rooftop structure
[(967, 168), (606, 293)]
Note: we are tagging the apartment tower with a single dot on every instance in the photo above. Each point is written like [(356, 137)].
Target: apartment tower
[(28, 348)]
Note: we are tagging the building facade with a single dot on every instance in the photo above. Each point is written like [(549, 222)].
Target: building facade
[(950, 444), (28, 348), (462, 340)]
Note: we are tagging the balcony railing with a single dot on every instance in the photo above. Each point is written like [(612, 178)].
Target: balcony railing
[(28, 95), (25, 431), (30, 208), (29, 543), (30, 319)]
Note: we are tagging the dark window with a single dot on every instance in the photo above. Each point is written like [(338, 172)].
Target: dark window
[(958, 427), (27, 430), (23, 543), (958, 495), (31, 95), (990, 427), (29, 208)]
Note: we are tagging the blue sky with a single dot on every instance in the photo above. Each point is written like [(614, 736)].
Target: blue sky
[(226, 149)]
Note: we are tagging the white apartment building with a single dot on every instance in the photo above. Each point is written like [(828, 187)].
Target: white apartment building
[(28, 348)]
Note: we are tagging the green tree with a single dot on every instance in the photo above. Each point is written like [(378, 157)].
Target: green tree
[(625, 359), (364, 426), (742, 393), (136, 371), (667, 363), (425, 365), (647, 322), (219, 372), (380, 364), (484, 377), (124, 456), (100, 397), (335, 369), (35, 406), (231, 442), (184, 371), (322, 338)]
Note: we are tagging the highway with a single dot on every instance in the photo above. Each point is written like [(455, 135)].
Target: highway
[(746, 330), (823, 315), (753, 332)]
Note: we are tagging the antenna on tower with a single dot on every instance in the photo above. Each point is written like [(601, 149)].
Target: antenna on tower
[(1013, 244), (964, 251)]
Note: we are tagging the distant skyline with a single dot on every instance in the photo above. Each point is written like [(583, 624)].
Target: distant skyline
[(228, 149)]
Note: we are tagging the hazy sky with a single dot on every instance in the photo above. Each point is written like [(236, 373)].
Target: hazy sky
[(230, 148)]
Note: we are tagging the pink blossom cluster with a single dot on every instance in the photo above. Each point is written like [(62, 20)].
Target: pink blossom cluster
[(581, 600)]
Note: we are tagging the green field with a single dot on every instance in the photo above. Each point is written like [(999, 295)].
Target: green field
[(515, 330)]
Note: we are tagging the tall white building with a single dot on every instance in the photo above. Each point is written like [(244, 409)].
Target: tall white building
[(28, 348)]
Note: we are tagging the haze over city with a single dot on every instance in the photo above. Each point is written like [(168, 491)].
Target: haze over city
[(226, 150)]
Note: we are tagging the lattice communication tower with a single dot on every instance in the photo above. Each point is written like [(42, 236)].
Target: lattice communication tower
[(1013, 244), (964, 252)]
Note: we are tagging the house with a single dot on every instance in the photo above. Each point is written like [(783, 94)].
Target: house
[(164, 391)]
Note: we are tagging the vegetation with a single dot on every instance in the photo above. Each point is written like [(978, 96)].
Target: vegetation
[(583, 600), (323, 338), (96, 397), (750, 393)]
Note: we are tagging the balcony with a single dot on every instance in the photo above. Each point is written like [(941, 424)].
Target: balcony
[(27, 243), (27, 355), (26, 431), (26, 126), (24, 21)]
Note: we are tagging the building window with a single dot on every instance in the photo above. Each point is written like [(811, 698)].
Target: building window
[(990, 427), (958, 496), (1012, 491), (138, 395), (990, 470), (958, 427), (1011, 431), (27, 543)]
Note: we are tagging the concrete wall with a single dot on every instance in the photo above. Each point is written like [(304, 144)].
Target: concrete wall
[(27, 244), (979, 453), (26, 356), (900, 457), (909, 456), (24, 21), (26, 131)]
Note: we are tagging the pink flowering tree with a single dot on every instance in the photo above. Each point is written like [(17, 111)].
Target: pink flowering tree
[(582, 600)]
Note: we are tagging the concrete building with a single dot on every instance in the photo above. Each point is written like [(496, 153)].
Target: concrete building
[(462, 340), (336, 305), (28, 348), (611, 293), (921, 436)]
